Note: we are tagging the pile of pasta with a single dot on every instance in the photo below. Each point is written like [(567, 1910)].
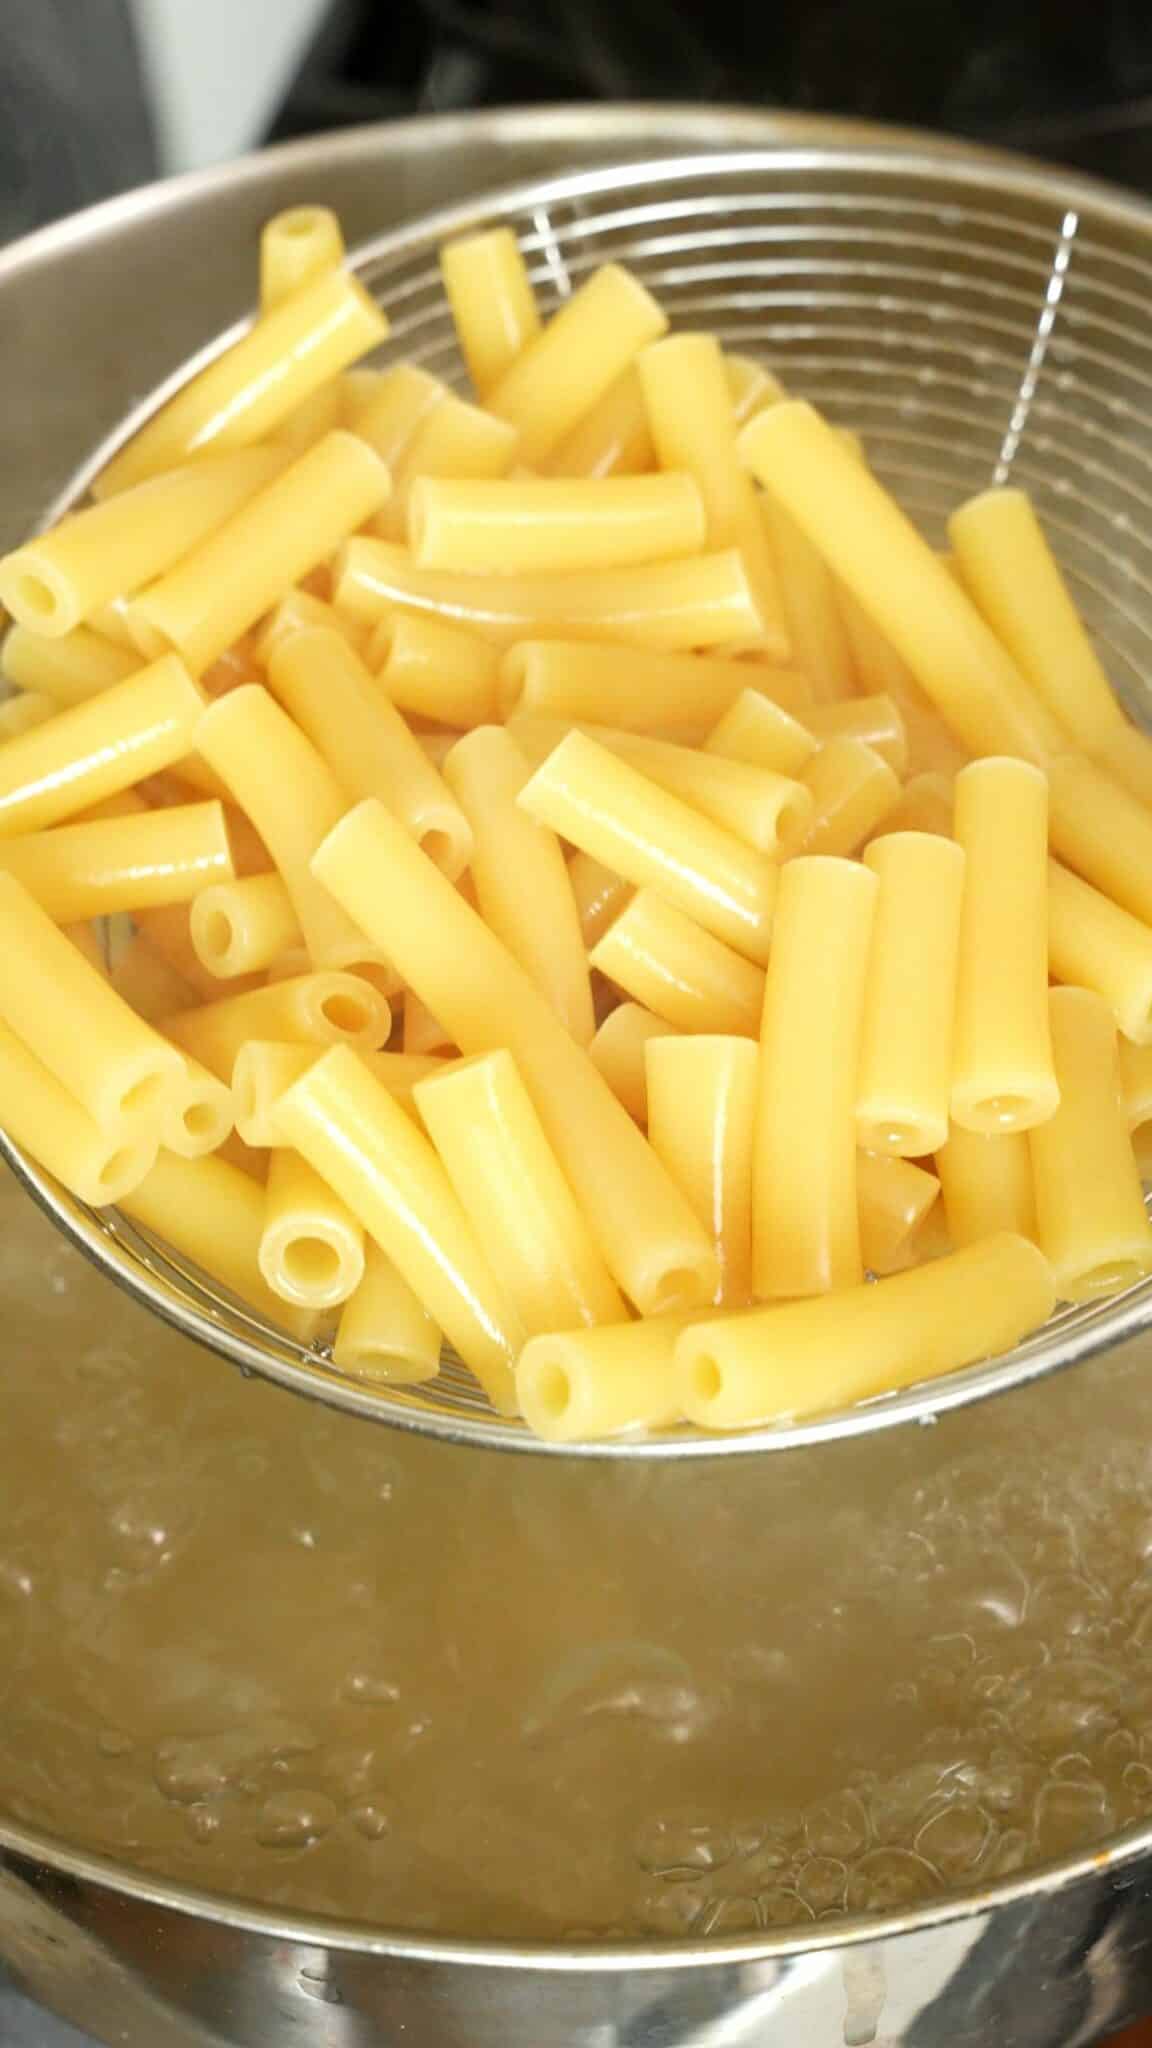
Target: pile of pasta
[(570, 871)]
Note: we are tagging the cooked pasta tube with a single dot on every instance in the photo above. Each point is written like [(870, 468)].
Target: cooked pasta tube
[(1002, 1077), (852, 789), (245, 566), (423, 1033), (311, 1246), (1136, 1082), (986, 1185), (894, 1198), (875, 549), (239, 927), (634, 689), (112, 622), (600, 895), (519, 876), (493, 305), (451, 439), (821, 647), (506, 1176), (297, 246), (148, 982), (875, 720), (1007, 566), (347, 1126), (432, 670), (99, 1163), (78, 665), (701, 1116), (198, 1116), (1090, 1218), (598, 1383), (293, 799), (87, 941), (243, 394), (311, 1009), (93, 750), (54, 583), (1128, 756), (115, 1065), (212, 1213), (564, 369), (750, 386), (701, 602), (549, 523), (758, 730), (807, 1357), (806, 1232), (113, 864), (385, 1333), (1092, 943), (905, 1073), (23, 713), (609, 809), (262, 1070), (923, 805), (612, 439), (358, 388), (878, 667), (300, 608), (673, 967), (403, 398), (1101, 832), (648, 1237), (693, 428), (166, 930), (617, 1053), (765, 810)]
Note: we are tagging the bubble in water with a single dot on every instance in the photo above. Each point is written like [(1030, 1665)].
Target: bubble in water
[(370, 1820), (955, 1840), (673, 1911), (295, 1820), (837, 1827), (782, 1907), (887, 1879), (367, 1688), (1067, 1814), (821, 1881), (201, 1767), (689, 1842)]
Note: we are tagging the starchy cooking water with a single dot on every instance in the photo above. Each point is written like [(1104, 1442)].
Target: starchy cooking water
[(263, 1647)]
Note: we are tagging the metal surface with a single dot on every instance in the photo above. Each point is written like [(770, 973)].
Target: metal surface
[(977, 320), (1049, 1960)]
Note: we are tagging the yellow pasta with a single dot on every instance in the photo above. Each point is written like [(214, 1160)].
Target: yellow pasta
[(877, 552), (618, 1054), (693, 428), (310, 1009), (113, 864), (297, 246), (480, 1118), (894, 1198), (248, 563), (673, 967), (244, 394), (986, 1185), (262, 1070), (852, 789), (750, 386), (1009, 569), (612, 439), (115, 1065), (758, 730), (701, 1115), (648, 1237), (1090, 1219), (809, 1357), (300, 608), (806, 1232), (423, 1033), (432, 670), (213, 1213), (564, 369), (1002, 1077), (600, 895), (522, 888), (924, 805), (609, 809), (311, 1245), (1092, 943), (99, 1163), (404, 396), (765, 810), (23, 713), (385, 1332), (166, 931), (95, 749), (878, 667), (148, 982), (1101, 832), (112, 622), (54, 583), (701, 602), (453, 439), (817, 634), (877, 721), (679, 696), (1136, 1082), (197, 1117), (239, 927), (293, 799), (79, 665), (600, 1383), (352, 1132), (547, 523), (366, 742), (493, 305), (1128, 756), (905, 1073)]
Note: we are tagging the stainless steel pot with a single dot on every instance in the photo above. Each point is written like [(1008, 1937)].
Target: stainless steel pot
[(766, 1648)]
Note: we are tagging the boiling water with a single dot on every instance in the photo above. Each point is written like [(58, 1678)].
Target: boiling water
[(277, 1652)]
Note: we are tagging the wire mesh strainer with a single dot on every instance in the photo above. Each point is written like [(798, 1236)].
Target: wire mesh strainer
[(975, 320)]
